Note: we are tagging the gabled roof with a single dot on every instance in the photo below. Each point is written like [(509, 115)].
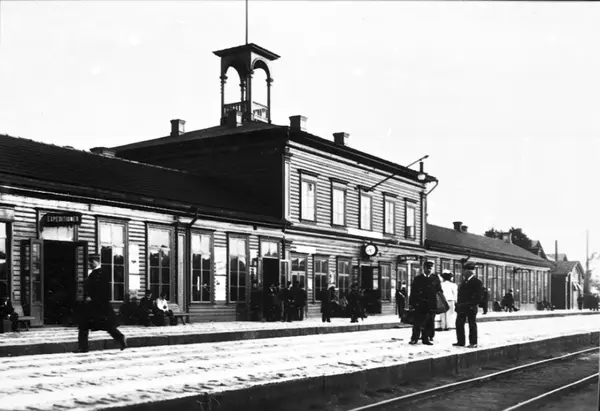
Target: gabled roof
[(212, 135), (537, 249), (448, 239), (33, 164), (565, 267)]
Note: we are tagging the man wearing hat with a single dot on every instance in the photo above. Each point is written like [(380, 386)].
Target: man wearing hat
[(470, 294), (97, 313), (423, 302)]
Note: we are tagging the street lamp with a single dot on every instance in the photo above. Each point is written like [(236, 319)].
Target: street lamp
[(421, 176)]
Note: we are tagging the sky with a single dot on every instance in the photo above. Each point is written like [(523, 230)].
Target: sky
[(503, 96)]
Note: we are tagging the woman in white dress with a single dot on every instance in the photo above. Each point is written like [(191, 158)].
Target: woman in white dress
[(450, 290)]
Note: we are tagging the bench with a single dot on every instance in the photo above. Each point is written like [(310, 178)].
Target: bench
[(177, 313), (23, 319)]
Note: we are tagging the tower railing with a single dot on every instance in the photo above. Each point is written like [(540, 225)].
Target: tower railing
[(259, 111)]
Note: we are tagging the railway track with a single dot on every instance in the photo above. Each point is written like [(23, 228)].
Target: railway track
[(524, 387)]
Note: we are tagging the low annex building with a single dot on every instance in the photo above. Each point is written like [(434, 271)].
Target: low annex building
[(156, 228), (500, 264)]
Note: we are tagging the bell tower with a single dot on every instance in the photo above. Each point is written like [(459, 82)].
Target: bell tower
[(245, 59)]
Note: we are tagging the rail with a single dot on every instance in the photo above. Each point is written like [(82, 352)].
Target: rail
[(431, 392)]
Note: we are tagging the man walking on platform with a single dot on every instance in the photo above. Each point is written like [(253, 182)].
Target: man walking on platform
[(470, 295), (97, 313)]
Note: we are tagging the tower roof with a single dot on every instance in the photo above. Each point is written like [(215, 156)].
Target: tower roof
[(251, 47)]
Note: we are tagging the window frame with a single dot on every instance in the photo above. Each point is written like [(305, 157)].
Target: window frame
[(322, 259), (248, 264), (125, 226), (382, 289), (310, 179), (343, 291), (339, 187), (211, 273), (365, 194), (304, 274), (389, 200), (8, 259), (412, 206)]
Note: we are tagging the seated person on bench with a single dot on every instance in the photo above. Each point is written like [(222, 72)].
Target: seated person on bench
[(161, 308), (146, 308), (7, 311)]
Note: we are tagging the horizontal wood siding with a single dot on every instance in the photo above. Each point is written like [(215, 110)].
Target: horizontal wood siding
[(137, 235), (333, 167)]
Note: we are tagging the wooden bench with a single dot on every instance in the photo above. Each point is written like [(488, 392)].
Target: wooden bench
[(178, 314), (23, 319)]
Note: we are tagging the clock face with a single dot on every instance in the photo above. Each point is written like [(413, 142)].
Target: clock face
[(370, 250)]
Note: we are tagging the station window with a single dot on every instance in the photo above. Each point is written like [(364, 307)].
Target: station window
[(321, 272), (410, 222), (159, 260), (385, 281), (308, 199), (201, 267), (238, 268), (343, 274), (366, 211), (112, 256), (4, 261), (338, 206), (299, 266), (390, 216)]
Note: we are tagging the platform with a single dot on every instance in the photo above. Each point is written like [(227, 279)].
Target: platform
[(64, 339), (238, 373)]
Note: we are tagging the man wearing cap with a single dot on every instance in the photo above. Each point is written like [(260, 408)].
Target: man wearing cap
[(423, 302), (97, 313), (470, 294)]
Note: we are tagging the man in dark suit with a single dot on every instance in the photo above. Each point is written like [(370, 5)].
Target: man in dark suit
[(470, 295), (97, 313), (436, 285), (7, 311), (422, 302)]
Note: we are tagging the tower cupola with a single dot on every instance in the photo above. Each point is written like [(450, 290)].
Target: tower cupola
[(245, 59)]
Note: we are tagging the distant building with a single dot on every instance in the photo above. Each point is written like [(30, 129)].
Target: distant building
[(567, 283), (501, 265)]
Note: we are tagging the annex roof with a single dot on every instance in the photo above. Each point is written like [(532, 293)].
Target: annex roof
[(565, 267), (37, 164), (441, 238)]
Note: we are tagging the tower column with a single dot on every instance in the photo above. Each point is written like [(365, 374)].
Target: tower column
[(249, 95), (269, 81), (223, 81)]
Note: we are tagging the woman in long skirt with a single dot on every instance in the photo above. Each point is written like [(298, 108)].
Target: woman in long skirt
[(450, 291)]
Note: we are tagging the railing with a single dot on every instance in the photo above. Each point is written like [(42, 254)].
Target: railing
[(259, 111)]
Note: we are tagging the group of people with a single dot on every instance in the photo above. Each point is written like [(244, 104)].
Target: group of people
[(149, 311), (285, 304), (428, 289), (349, 305)]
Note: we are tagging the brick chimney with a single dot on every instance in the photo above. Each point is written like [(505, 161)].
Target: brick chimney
[(464, 228), (103, 151), (234, 119), (177, 127), (298, 123), (458, 225), (341, 138)]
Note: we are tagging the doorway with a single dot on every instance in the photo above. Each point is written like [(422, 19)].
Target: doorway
[(60, 283), (270, 267)]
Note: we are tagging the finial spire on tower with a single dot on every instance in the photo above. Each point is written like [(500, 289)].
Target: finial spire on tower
[(246, 21)]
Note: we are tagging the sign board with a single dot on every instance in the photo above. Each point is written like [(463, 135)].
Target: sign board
[(220, 290), (7, 214), (61, 219), (408, 257), (220, 260)]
